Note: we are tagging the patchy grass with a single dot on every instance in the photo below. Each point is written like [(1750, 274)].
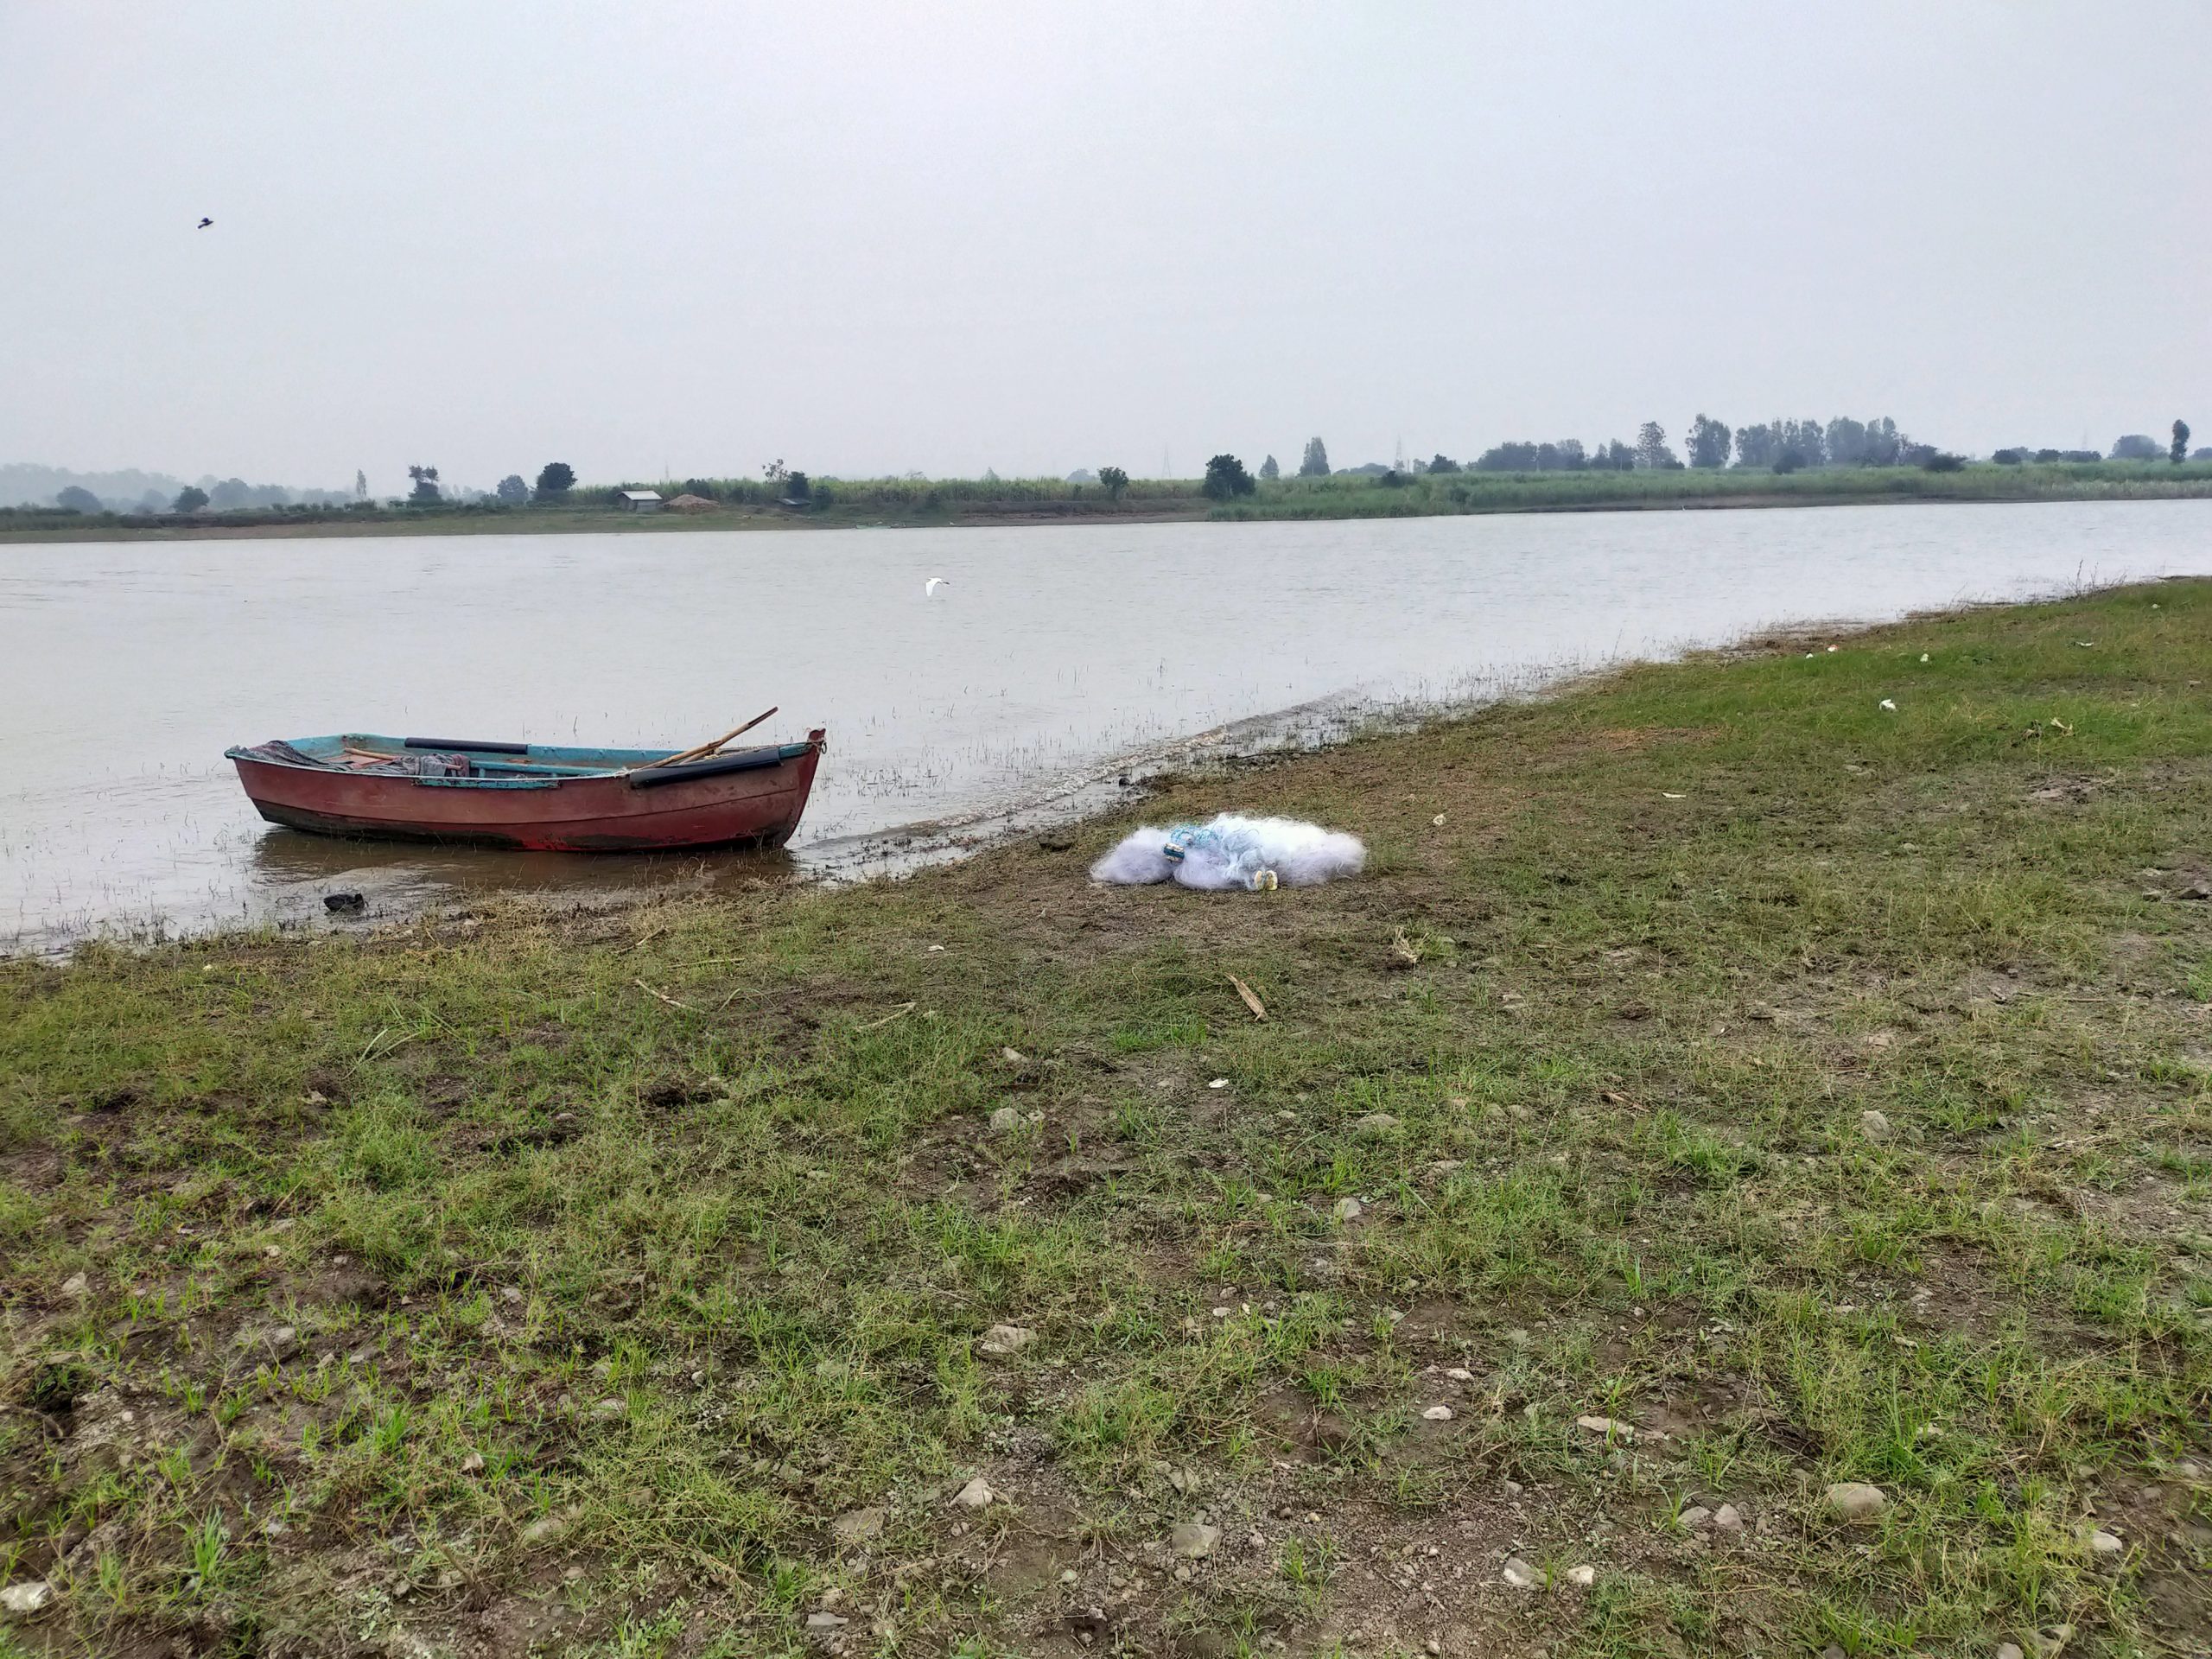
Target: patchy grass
[(445, 1292)]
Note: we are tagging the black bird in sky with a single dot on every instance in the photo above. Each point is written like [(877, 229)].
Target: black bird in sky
[(204, 224)]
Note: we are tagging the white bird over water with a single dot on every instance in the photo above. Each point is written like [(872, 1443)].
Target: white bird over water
[(930, 588)]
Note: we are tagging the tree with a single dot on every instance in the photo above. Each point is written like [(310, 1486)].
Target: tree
[(1444, 464), (1847, 441), (796, 488), (1808, 438), (555, 480), (1269, 469), (190, 499), (512, 490), (425, 492), (360, 485), (2179, 452), (1886, 445), (2135, 446), (76, 497), (1651, 450), (1113, 480), (1708, 442), (1225, 476), (1316, 463)]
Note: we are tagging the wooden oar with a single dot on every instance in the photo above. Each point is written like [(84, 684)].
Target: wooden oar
[(706, 749)]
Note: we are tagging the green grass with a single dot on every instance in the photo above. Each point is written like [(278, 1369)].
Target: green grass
[(462, 1293)]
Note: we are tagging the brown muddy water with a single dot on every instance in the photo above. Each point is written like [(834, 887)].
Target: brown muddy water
[(1056, 661)]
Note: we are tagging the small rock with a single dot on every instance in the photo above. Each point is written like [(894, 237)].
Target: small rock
[(2105, 1543), (1520, 1574), (75, 1286), (1437, 1413), (1013, 1057), (857, 1526), (2053, 1640), (1218, 1082), (26, 1598), (1855, 1502), (1069, 1575), (1007, 1339), (1512, 1488), (1005, 1120), (1612, 1427), (1376, 1124), (1459, 1374), (473, 1464), (1728, 1518), (1193, 1539), (607, 1410), (545, 1529), (1445, 1166), (1696, 1518), (2010, 1650), (1874, 1125), (1586, 1575), (975, 1495), (1349, 1209), (279, 1342), (825, 1622)]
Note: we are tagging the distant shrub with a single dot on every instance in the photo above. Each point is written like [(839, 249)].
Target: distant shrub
[(1942, 462), (2137, 446), (1226, 477), (2009, 457)]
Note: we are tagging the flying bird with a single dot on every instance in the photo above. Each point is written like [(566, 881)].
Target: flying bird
[(930, 588), (203, 223)]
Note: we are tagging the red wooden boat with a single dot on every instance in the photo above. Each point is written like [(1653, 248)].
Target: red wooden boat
[(530, 795)]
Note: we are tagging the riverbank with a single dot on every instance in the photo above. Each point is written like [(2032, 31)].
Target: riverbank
[(900, 503), (1722, 1087)]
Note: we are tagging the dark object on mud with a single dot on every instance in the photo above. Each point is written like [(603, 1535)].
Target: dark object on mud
[(347, 903), (529, 794)]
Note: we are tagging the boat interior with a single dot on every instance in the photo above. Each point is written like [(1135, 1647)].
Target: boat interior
[(462, 759)]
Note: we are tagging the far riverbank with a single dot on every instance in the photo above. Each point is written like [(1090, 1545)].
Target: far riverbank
[(840, 504)]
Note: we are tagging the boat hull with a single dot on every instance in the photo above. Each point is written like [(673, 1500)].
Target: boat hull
[(758, 806)]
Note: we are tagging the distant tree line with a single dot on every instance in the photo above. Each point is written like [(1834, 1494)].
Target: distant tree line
[(1778, 445)]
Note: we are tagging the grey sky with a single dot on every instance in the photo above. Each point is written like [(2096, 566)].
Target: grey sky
[(867, 238)]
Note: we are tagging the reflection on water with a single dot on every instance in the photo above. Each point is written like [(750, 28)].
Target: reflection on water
[(1022, 690)]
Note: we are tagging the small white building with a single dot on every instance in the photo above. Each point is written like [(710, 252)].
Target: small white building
[(638, 500)]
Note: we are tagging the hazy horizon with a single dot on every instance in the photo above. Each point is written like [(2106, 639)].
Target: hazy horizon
[(681, 241)]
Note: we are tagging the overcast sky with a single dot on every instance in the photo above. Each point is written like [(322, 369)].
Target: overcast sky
[(871, 238)]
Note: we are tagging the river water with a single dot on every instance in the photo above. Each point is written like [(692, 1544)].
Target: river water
[(1024, 688)]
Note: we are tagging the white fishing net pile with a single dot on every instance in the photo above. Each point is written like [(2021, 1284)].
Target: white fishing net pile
[(1232, 851)]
